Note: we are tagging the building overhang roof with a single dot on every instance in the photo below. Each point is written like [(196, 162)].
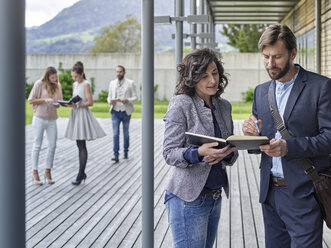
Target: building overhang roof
[(250, 12)]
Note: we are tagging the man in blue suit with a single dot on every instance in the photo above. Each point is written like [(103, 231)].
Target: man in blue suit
[(292, 217)]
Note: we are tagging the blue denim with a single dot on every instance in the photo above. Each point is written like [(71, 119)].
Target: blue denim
[(118, 117), (194, 224)]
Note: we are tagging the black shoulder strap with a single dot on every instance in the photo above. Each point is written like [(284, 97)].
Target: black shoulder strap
[(305, 164)]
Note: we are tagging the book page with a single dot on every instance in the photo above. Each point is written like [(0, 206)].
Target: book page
[(243, 137)]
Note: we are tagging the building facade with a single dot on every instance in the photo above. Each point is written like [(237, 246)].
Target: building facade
[(302, 21)]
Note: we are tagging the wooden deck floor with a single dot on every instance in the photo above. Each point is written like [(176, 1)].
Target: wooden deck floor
[(106, 210)]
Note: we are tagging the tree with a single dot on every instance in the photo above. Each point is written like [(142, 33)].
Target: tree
[(244, 37), (122, 37)]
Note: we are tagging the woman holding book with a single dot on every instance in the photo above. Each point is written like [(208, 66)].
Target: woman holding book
[(82, 124), (43, 97), (193, 194)]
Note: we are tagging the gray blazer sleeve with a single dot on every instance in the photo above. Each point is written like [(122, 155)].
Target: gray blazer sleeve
[(174, 135)]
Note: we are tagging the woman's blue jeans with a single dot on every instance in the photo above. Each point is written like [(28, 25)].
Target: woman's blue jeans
[(194, 224), (118, 117)]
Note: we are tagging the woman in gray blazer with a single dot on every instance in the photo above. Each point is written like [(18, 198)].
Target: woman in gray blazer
[(193, 194)]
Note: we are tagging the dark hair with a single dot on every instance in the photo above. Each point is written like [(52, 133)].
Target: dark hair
[(50, 88), (278, 32), (121, 66), (79, 68), (193, 67)]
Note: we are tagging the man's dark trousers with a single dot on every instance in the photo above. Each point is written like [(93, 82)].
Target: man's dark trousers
[(303, 218)]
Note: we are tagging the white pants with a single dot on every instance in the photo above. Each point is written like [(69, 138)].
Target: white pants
[(39, 126)]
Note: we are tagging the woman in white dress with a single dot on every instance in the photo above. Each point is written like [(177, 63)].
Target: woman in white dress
[(82, 124)]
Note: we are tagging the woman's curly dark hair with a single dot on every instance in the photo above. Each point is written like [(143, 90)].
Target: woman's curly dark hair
[(193, 67)]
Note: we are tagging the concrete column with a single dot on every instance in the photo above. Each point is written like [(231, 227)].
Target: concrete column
[(318, 35), (193, 27), (147, 51), (12, 124)]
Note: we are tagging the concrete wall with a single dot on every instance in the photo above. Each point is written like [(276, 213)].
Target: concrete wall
[(246, 70)]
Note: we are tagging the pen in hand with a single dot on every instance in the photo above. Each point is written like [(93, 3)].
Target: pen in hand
[(257, 127)]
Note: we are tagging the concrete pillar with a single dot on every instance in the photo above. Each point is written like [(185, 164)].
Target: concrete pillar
[(12, 124), (147, 52)]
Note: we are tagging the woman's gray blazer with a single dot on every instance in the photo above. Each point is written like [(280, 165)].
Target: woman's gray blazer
[(188, 114)]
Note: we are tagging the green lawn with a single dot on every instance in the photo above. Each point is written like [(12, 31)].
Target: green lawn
[(101, 110)]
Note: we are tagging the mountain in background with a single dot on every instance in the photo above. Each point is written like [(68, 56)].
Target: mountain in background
[(74, 28)]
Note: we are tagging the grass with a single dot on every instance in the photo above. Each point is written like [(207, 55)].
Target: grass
[(241, 110), (101, 110)]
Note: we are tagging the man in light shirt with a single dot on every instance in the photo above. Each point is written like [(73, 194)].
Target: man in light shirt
[(121, 96)]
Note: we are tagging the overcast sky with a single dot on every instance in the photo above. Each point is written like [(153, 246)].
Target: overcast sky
[(38, 12)]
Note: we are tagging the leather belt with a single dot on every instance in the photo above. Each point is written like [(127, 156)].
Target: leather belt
[(277, 181), (214, 194)]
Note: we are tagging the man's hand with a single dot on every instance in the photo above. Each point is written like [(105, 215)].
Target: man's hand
[(113, 102), (124, 101), (276, 148), (249, 127)]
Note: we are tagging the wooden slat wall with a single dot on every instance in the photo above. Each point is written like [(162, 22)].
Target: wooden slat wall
[(302, 19)]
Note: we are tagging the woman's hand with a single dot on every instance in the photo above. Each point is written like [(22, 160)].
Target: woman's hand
[(48, 100), (212, 155)]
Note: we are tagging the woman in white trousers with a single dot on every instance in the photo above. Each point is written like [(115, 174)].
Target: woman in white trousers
[(43, 97)]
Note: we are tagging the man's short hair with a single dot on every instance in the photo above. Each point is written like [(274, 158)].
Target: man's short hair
[(121, 66), (278, 32)]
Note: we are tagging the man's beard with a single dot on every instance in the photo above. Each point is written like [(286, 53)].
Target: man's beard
[(120, 77), (282, 73)]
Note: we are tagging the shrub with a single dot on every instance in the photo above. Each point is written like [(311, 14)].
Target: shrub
[(28, 88), (66, 82), (92, 84), (102, 97), (248, 96)]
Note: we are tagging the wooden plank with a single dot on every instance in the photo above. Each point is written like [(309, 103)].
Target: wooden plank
[(114, 235), (70, 208), (223, 233), (251, 166), (117, 195), (236, 227), (249, 226), (106, 211)]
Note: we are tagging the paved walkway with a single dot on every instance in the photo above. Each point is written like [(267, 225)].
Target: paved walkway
[(106, 210)]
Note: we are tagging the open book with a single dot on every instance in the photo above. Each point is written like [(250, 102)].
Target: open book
[(239, 141), (73, 99)]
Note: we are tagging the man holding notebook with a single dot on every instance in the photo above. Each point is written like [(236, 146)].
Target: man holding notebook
[(292, 216), (121, 96)]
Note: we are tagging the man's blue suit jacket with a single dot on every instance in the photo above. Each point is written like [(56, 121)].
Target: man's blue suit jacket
[(307, 116)]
